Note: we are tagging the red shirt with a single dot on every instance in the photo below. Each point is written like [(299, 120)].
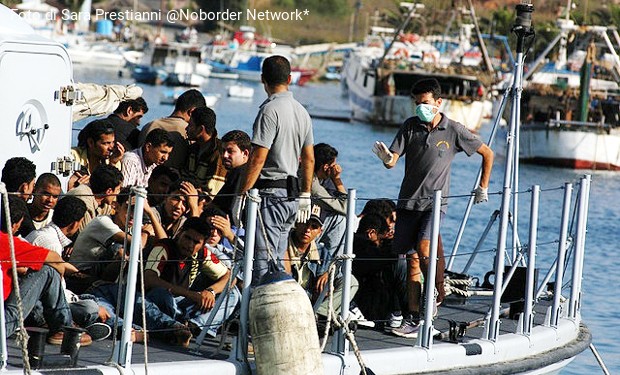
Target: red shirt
[(26, 255)]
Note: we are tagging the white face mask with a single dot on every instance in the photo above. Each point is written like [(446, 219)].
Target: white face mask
[(425, 112)]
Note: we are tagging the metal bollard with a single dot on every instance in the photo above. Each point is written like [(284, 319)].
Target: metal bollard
[(71, 343), (36, 346)]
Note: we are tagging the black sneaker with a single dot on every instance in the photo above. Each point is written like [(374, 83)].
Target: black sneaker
[(99, 331)]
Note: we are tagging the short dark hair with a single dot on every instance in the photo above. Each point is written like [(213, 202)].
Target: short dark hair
[(17, 171), (198, 225), (276, 70), (123, 195), (372, 221), (159, 137), (105, 177), (17, 210), (190, 99), (205, 117), (138, 104), (426, 85), (68, 210), (323, 154), (94, 130), (164, 170), (240, 138), (382, 207), (211, 211), (47, 179)]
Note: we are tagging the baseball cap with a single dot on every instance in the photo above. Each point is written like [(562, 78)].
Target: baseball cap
[(317, 214)]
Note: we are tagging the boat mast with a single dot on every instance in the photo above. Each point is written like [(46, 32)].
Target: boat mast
[(523, 29), (483, 47), (561, 61), (412, 8)]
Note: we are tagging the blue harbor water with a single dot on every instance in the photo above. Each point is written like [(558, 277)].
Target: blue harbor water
[(363, 171)]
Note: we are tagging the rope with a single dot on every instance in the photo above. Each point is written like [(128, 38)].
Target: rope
[(344, 325), (22, 335), (330, 305), (337, 319)]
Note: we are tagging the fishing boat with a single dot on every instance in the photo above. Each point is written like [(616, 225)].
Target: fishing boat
[(378, 77), (571, 109), (170, 97), (541, 328), (179, 64)]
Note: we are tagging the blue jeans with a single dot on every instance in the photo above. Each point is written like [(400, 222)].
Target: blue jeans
[(278, 215), (183, 309), (44, 286), (332, 236), (107, 295)]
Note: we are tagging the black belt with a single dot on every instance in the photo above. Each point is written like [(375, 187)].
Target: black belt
[(271, 184)]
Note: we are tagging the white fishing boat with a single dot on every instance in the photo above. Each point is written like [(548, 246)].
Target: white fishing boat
[(540, 338), (571, 107), (378, 77), (170, 96), (181, 62), (240, 91)]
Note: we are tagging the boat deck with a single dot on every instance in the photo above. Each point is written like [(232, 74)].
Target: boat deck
[(471, 311)]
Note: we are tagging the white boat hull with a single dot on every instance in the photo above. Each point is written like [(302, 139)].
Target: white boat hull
[(394, 110), (575, 147), (362, 85)]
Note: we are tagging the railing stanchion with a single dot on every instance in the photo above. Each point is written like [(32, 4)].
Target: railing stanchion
[(125, 348), (559, 271), (343, 345), (429, 283), (248, 263), (528, 317)]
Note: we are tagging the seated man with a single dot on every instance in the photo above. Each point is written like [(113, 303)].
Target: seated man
[(224, 239), (19, 176), (98, 248), (96, 146), (138, 164), (105, 183), (126, 119), (40, 271), (306, 262), (372, 266), (66, 220), (182, 202), (236, 147), (329, 193), (45, 196), (159, 184), (183, 278)]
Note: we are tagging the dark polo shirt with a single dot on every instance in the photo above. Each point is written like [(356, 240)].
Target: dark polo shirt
[(428, 157)]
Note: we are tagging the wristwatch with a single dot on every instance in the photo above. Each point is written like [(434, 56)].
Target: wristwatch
[(212, 291)]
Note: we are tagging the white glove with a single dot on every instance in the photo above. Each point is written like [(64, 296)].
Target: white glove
[(237, 209), (481, 195), (382, 152), (305, 207)]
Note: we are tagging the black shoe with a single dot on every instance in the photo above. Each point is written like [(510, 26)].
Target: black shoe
[(99, 331)]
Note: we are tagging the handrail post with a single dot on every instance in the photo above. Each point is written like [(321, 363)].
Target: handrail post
[(429, 283), (559, 271), (582, 215), (125, 349), (248, 263), (343, 345), (528, 317)]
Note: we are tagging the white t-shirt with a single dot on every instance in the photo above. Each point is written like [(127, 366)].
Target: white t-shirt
[(93, 241)]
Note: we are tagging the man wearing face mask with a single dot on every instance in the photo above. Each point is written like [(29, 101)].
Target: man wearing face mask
[(429, 141)]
